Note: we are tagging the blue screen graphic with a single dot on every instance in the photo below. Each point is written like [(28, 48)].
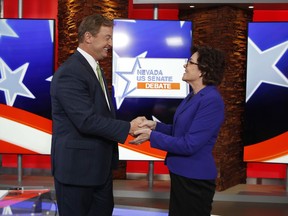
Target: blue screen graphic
[(26, 64), (267, 81), (148, 39)]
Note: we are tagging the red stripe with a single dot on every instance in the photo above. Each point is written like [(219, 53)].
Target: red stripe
[(9, 148), (143, 148), (45, 125), (26, 118), (268, 149)]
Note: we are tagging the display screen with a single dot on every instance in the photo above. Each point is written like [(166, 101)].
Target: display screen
[(148, 60), (26, 68), (266, 118)]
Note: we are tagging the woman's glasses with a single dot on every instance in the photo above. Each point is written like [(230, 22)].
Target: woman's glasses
[(189, 61)]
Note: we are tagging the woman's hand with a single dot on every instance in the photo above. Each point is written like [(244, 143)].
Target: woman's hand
[(148, 124), (142, 135)]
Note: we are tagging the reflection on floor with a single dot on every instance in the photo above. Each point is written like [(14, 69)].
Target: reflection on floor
[(36, 196), (122, 211), (27, 202)]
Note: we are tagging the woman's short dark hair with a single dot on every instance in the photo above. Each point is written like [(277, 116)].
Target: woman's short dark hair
[(92, 24), (211, 62)]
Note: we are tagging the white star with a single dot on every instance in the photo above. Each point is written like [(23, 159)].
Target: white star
[(51, 28), (49, 79), (6, 30), (262, 68), (11, 82), (130, 86), (124, 67)]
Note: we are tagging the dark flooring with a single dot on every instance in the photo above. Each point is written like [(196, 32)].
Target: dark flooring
[(34, 195)]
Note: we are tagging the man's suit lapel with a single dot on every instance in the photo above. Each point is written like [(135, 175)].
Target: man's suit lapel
[(85, 63), (108, 94), (90, 70)]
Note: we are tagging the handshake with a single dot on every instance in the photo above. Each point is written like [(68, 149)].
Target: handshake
[(141, 128)]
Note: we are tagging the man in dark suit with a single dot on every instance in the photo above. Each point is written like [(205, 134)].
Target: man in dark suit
[(85, 132)]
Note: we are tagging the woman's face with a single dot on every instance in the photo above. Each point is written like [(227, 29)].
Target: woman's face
[(192, 72)]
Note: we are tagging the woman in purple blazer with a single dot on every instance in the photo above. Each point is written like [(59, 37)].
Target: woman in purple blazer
[(189, 141)]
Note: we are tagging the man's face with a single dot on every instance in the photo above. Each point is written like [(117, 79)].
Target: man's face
[(101, 43)]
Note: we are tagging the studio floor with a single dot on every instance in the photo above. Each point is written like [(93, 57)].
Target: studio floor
[(35, 195)]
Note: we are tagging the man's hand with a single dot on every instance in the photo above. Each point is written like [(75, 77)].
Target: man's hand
[(134, 124)]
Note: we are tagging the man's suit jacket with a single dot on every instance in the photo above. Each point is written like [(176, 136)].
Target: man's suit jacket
[(189, 141), (85, 132)]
